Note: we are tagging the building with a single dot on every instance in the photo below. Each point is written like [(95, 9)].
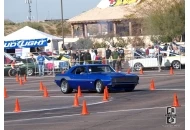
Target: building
[(119, 18)]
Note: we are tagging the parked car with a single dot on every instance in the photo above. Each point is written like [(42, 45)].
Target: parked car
[(174, 60), (95, 77)]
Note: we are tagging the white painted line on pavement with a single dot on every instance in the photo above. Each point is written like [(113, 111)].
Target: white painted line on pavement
[(140, 109), (150, 76), (31, 91), (49, 96), (127, 110), (171, 89), (38, 110)]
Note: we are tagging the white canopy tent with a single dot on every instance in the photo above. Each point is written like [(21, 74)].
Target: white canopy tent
[(28, 33)]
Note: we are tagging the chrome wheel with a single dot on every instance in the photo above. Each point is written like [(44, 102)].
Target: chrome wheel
[(176, 64), (138, 66), (65, 87), (99, 86), (30, 72)]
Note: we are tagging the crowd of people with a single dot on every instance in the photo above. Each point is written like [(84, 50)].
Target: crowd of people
[(92, 56)]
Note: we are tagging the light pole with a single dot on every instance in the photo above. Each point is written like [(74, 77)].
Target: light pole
[(37, 10), (62, 21)]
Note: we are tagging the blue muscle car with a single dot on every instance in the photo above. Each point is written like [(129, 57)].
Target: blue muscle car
[(95, 77)]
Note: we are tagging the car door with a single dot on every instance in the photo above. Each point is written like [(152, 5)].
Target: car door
[(79, 77)]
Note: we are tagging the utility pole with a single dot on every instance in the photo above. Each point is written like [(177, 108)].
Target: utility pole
[(62, 20), (37, 10), (29, 2)]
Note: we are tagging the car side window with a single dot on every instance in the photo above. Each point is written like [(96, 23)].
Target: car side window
[(79, 70)]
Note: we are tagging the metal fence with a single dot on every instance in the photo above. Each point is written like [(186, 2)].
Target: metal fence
[(54, 64)]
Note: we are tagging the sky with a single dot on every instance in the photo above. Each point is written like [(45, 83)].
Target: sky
[(17, 10)]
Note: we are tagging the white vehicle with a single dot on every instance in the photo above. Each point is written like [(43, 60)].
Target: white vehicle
[(174, 61)]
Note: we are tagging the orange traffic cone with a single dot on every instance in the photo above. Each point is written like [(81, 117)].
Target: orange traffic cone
[(84, 109), (129, 71), (107, 93), (17, 106), (21, 82), (25, 78), (17, 78), (41, 86), (45, 92), (5, 93), (152, 86), (141, 71), (79, 94), (175, 101), (76, 101), (105, 98), (171, 71)]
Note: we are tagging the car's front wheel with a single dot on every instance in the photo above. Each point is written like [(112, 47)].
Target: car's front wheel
[(99, 86), (65, 87), (176, 64)]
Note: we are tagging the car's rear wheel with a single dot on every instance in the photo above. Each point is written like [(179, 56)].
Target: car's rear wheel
[(176, 64), (138, 66), (65, 87), (99, 86), (130, 88)]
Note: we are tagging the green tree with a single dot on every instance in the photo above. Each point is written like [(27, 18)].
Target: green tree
[(83, 43), (164, 18)]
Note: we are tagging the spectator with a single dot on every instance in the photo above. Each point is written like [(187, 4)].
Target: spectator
[(165, 47), (13, 64), (87, 58), (98, 59), (119, 63), (77, 58), (114, 57), (121, 54), (159, 57), (93, 56), (95, 50), (41, 64), (108, 54), (81, 57)]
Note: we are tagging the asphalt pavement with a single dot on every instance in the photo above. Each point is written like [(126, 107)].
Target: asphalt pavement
[(141, 109)]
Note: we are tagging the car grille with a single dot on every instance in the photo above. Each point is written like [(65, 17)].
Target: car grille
[(125, 79)]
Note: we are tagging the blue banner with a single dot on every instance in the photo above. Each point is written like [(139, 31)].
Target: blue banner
[(25, 43)]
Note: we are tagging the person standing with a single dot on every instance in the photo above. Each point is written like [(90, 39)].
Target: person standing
[(159, 57), (114, 57), (108, 54), (41, 64), (93, 56)]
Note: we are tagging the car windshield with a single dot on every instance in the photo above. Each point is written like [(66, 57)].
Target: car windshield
[(95, 69)]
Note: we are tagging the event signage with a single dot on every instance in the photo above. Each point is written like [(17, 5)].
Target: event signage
[(25, 43), (123, 2)]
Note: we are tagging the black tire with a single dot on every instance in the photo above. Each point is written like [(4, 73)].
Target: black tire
[(176, 64), (130, 88), (30, 72), (138, 66), (12, 72), (99, 86), (65, 87)]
